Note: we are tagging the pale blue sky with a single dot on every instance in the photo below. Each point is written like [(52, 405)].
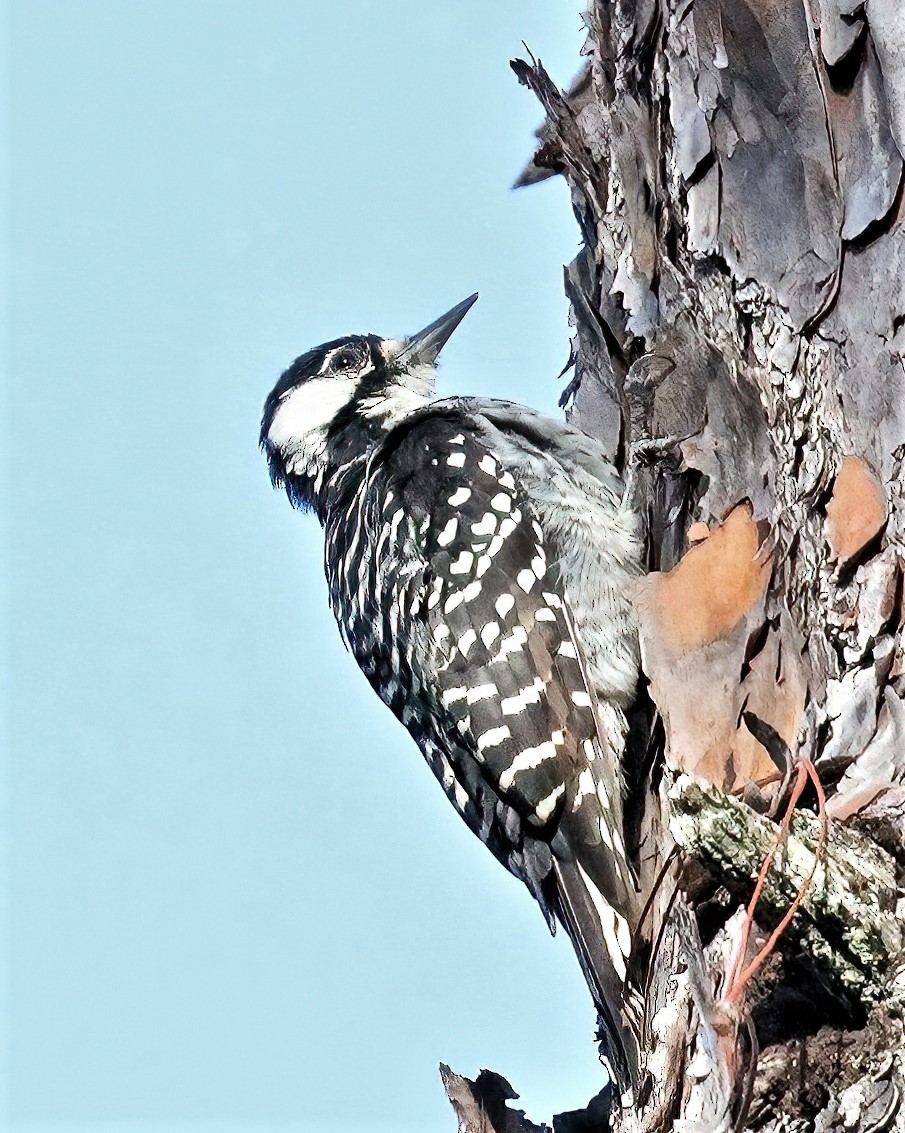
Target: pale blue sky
[(235, 896)]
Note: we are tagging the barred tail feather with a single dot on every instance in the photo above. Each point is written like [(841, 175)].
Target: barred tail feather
[(602, 940)]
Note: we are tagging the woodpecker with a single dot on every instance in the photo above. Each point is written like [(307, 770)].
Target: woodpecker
[(478, 558)]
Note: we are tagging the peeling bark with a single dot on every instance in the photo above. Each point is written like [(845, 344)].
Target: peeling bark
[(736, 170)]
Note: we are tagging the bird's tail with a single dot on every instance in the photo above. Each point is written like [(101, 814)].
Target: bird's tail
[(602, 938), (598, 898)]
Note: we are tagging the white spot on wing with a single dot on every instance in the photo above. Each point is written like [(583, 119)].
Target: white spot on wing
[(486, 526), (525, 579), (504, 604), (546, 806), (471, 591), (501, 502), (482, 692), (459, 497), (581, 699), (526, 760), (490, 633), (494, 737), (468, 638), (463, 563), (514, 642), (448, 533), (456, 459), (487, 464), (585, 788), (512, 705)]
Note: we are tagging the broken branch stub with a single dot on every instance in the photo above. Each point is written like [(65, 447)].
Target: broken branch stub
[(847, 919)]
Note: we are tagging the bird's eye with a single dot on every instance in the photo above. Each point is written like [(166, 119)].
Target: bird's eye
[(346, 360)]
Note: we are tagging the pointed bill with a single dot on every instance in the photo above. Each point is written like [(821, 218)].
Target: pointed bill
[(427, 344)]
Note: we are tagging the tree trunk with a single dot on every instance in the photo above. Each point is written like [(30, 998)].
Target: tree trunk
[(736, 172)]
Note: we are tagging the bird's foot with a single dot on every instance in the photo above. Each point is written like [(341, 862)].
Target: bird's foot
[(649, 452), (654, 450)]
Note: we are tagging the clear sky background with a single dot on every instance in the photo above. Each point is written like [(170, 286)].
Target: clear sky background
[(235, 897)]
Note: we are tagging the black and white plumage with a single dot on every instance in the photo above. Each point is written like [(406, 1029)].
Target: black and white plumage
[(478, 558)]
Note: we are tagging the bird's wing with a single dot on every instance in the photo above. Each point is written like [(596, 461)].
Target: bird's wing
[(536, 430), (510, 688)]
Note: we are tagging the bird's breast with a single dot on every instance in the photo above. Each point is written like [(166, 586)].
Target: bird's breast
[(374, 590), (597, 549)]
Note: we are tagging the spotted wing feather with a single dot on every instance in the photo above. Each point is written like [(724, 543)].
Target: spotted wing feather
[(470, 641)]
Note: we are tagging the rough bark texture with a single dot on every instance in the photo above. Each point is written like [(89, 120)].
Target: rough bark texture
[(736, 172)]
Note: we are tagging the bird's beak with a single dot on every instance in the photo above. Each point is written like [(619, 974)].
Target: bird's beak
[(427, 344)]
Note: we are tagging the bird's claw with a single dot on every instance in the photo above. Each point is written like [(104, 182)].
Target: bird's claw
[(653, 450), (648, 453)]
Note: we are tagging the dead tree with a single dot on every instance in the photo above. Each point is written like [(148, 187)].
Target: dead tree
[(736, 171)]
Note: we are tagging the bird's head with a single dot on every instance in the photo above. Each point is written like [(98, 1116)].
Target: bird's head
[(356, 386)]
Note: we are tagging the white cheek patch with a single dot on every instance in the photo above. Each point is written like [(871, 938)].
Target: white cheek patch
[(309, 409)]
